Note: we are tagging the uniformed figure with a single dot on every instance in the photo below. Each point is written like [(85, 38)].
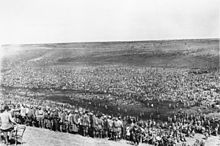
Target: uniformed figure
[(85, 123)]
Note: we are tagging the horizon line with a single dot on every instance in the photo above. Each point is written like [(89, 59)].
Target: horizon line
[(112, 41)]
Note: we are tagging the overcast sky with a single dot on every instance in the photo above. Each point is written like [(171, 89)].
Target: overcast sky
[(42, 21)]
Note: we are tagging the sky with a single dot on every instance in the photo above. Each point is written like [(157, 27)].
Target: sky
[(48, 21)]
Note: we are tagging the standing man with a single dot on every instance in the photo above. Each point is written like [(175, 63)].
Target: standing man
[(7, 123)]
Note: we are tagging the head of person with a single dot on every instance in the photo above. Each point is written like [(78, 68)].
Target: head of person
[(6, 108)]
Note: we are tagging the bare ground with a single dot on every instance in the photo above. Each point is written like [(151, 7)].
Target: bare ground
[(43, 137)]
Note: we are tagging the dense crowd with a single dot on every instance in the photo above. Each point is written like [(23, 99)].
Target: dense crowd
[(66, 118), (127, 83)]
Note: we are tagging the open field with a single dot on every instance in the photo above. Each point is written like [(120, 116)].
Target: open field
[(177, 54)]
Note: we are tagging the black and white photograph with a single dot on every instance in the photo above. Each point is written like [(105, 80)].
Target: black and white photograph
[(109, 73)]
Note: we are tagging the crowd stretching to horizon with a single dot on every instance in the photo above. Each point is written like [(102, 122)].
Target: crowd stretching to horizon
[(124, 84)]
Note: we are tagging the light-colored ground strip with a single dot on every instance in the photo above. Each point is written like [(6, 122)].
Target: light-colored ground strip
[(36, 59), (44, 137)]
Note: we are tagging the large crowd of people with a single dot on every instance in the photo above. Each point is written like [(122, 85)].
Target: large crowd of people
[(128, 83), (119, 85), (67, 118)]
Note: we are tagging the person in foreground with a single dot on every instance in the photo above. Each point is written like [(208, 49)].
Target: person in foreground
[(7, 123)]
